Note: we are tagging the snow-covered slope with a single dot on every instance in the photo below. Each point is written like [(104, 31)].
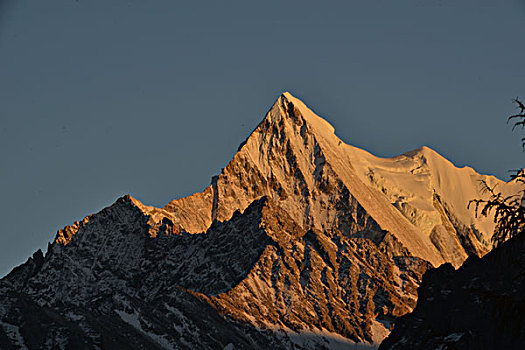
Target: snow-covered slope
[(300, 236)]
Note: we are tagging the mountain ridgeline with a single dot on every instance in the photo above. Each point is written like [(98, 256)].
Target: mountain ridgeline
[(302, 241)]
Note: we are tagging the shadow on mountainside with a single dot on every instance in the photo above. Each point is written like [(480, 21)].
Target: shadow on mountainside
[(114, 285), (479, 306)]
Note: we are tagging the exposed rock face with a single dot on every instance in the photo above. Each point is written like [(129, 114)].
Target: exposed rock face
[(259, 270), (299, 234), (129, 290), (479, 306), (329, 280)]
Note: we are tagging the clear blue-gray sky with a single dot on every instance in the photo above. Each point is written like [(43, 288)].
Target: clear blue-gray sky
[(101, 98)]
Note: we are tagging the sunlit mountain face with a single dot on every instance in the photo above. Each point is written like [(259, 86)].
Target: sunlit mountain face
[(301, 241)]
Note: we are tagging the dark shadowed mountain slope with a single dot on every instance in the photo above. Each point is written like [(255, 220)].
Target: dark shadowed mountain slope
[(479, 306)]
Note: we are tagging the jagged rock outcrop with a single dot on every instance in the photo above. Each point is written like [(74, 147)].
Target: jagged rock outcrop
[(479, 306), (116, 284), (127, 289), (299, 237)]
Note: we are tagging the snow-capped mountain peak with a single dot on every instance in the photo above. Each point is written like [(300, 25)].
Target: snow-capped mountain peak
[(300, 236)]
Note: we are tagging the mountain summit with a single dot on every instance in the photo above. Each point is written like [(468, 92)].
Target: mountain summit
[(301, 241), (292, 155)]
